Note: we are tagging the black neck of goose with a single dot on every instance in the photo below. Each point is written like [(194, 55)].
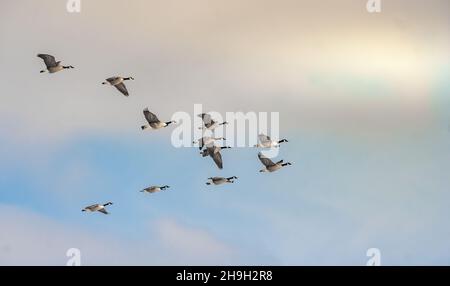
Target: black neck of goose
[(169, 122), (127, 78), (286, 164)]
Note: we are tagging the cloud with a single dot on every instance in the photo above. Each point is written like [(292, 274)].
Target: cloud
[(192, 245), (32, 239)]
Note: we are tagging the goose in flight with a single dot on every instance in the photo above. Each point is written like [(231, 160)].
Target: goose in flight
[(51, 64), (118, 82), (207, 141), (153, 121), (266, 142), (97, 208), (220, 180), (214, 152), (270, 166), (154, 189), (209, 123)]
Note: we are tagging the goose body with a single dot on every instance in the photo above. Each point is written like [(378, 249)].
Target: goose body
[(207, 141), (52, 66), (56, 68), (266, 142), (269, 165), (209, 123), (221, 180), (153, 121), (118, 82), (214, 153), (155, 189), (97, 208)]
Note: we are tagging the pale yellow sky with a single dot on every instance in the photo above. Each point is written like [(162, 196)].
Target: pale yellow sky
[(314, 61)]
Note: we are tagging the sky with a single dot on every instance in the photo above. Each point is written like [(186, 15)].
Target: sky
[(363, 98)]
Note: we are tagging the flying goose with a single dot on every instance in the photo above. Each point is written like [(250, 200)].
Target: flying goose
[(118, 82), (270, 166), (206, 141), (209, 123), (97, 208), (51, 64), (154, 189), (214, 152), (220, 180), (153, 121), (266, 142)]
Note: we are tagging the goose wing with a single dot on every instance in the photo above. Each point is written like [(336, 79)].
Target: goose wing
[(206, 118), (48, 60), (217, 159), (112, 79), (207, 151), (263, 138), (122, 88), (91, 207), (103, 211), (150, 117), (266, 161)]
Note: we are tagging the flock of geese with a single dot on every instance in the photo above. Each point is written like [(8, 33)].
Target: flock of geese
[(206, 144)]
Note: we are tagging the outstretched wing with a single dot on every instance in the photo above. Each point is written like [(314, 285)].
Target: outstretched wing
[(103, 211), (150, 117), (91, 207), (48, 60), (266, 161), (122, 88), (206, 152), (112, 79), (263, 138), (206, 118), (217, 159)]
